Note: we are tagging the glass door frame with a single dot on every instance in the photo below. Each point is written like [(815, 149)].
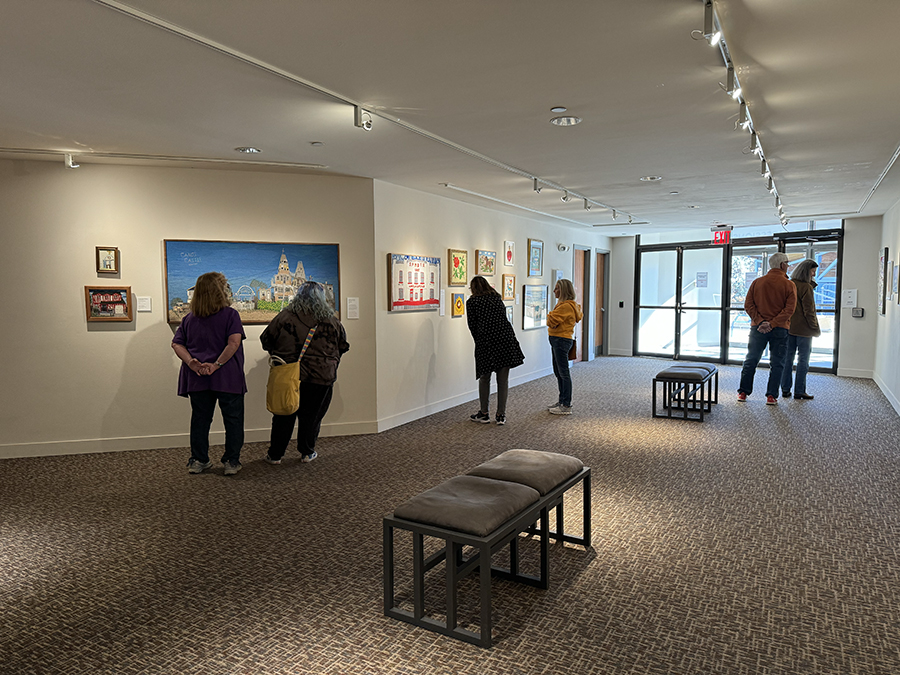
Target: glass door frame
[(781, 239)]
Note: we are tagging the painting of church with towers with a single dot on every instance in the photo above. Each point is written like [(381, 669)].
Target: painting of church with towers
[(263, 277)]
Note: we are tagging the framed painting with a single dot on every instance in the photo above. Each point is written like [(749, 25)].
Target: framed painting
[(535, 258), (534, 307), (458, 266), (263, 276), (107, 259), (509, 313), (458, 307), (108, 303), (896, 279), (888, 280), (414, 281), (509, 286), (882, 281), (487, 262), (509, 253)]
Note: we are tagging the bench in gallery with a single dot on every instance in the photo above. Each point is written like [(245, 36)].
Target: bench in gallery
[(687, 388)]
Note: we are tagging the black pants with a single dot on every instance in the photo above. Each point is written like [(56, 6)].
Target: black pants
[(314, 402)]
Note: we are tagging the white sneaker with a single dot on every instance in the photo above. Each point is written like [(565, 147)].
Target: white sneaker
[(561, 410), (309, 458)]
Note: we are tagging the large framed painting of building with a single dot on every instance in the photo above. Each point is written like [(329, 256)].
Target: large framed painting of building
[(414, 282), (263, 276)]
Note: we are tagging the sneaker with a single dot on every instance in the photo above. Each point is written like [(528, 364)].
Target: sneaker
[(501, 420), (804, 397), (309, 458), (771, 400), (272, 461), (742, 397), (553, 405), (197, 467), (561, 410), (232, 468), (785, 394), (481, 417)]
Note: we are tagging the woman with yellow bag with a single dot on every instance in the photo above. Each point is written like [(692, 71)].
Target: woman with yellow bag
[(306, 331)]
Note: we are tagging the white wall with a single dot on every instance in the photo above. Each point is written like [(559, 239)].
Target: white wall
[(621, 319), (426, 361), (887, 361), (862, 237), (69, 386)]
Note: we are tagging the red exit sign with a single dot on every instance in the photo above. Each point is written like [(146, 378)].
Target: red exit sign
[(721, 236)]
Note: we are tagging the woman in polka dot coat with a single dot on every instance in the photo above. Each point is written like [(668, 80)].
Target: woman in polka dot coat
[(496, 347)]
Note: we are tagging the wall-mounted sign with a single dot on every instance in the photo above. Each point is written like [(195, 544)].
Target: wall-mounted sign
[(721, 235)]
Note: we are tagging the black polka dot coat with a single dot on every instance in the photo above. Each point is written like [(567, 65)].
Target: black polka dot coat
[(496, 345)]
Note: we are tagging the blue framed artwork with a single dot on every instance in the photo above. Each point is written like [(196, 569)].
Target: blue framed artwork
[(263, 276)]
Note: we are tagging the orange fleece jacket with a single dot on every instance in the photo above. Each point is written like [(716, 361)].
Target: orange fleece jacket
[(561, 319), (771, 298)]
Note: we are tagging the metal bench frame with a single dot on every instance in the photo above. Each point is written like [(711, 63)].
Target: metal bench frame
[(682, 395), (457, 567)]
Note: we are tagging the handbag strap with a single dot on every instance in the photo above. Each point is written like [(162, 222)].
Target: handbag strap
[(309, 337)]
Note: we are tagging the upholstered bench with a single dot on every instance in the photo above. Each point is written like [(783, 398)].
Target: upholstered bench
[(689, 388), (486, 510)]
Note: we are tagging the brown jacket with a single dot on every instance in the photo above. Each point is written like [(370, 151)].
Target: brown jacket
[(804, 322), (771, 298)]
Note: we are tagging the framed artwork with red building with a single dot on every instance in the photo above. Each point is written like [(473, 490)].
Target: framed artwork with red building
[(108, 303), (414, 282)]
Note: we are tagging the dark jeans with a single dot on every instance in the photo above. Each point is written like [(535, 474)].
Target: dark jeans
[(802, 346), (484, 391), (776, 340), (314, 402), (559, 349), (203, 406)]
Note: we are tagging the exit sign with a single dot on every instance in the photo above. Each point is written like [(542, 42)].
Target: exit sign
[(721, 235)]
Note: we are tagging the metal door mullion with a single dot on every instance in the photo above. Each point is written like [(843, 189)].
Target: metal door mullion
[(679, 276)]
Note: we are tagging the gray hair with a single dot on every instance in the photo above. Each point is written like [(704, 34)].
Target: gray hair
[(310, 299), (776, 260), (804, 271)]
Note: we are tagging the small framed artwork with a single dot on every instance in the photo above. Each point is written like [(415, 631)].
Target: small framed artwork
[(509, 253), (458, 307), (535, 258), (509, 286), (882, 280), (459, 264), (108, 303), (887, 280), (509, 313), (896, 279), (107, 259), (487, 262), (534, 307)]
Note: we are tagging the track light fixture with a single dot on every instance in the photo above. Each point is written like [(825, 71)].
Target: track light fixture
[(770, 184), (744, 119), (537, 186), (615, 214), (587, 205), (764, 168), (70, 162), (755, 147), (565, 196), (710, 32), (630, 220), (362, 119)]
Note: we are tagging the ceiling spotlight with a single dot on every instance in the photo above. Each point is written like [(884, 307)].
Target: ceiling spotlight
[(566, 121), (248, 150), (709, 25), (729, 81), (587, 205), (630, 220), (764, 168), (770, 184), (755, 147), (650, 179), (744, 119), (362, 119), (70, 163), (565, 196), (615, 215), (537, 186)]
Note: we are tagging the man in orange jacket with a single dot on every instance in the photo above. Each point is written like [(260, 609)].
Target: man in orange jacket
[(770, 302)]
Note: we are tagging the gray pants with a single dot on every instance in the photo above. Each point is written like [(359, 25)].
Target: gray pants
[(484, 390)]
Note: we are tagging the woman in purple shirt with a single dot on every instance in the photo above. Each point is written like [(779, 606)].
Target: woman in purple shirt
[(208, 341)]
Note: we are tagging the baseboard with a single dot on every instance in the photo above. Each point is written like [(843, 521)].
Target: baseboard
[(855, 372), (888, 394), (620, 352)]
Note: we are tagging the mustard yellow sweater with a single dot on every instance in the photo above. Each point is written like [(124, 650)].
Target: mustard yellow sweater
[(561, 319)]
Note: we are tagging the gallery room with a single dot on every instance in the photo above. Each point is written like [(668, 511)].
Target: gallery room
[(658, 155)]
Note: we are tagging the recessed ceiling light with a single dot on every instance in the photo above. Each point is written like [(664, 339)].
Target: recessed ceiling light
[(650, 179), (558, 109), (248, 149), (316, 143), (566, 121), (674, 192)]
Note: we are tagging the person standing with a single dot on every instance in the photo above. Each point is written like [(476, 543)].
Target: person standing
[(770, 302), (284, 337), (496, 347), (561, 322), (803, 328), (209, 343)]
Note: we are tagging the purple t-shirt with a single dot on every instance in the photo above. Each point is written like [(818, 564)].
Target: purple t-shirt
[(205, 337)]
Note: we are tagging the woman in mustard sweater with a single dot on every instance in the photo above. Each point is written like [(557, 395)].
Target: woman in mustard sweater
[(561, 322)]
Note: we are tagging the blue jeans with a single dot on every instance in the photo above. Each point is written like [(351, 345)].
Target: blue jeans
[(776, 340), (203, 406), (559, 349), (802, 346)]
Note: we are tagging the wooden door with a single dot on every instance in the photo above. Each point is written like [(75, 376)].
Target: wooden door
[(578, 277)]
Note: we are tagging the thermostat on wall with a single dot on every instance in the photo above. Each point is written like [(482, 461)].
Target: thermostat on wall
[(858, 312)]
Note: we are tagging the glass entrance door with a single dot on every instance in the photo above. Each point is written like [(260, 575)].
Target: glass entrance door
[(825, 253), (680, 303), (747, 263)]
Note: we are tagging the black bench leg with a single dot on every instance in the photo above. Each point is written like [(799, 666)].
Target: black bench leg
[(586, 513), (484, 569), (388, 567), (418, 576), (514, 556), (545, 549), (451, 567)]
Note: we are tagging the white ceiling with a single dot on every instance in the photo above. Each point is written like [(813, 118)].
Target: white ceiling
[(461, 89)]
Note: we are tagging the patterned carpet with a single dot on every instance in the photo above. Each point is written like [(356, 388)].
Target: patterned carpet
[(763, 541)]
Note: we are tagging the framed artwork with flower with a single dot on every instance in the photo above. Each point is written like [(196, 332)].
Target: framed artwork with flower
[(459, 305), (509, 286), (535, 258), (487, 262), (459, 267), (509, 253)]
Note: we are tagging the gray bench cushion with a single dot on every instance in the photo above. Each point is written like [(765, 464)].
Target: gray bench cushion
[(540, 470), (468, 504), (683, 374)]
